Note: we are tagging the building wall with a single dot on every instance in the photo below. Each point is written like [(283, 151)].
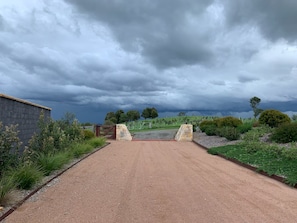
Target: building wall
[(25, 114)]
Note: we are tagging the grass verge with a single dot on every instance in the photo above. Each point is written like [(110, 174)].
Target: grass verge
[(270, 159)]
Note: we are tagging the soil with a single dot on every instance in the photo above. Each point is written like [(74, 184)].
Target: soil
[(159, 181)]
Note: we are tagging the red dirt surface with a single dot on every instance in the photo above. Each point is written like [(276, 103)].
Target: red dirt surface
[(159, 182)]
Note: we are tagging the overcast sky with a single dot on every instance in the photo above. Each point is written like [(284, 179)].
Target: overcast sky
[(92, 56)]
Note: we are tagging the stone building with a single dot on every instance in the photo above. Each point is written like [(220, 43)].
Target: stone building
[(23, 113)]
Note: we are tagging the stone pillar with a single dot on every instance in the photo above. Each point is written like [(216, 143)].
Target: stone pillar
[(185, 133), (122, 133)]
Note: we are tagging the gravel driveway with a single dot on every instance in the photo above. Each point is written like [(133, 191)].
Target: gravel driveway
[(159, 181)]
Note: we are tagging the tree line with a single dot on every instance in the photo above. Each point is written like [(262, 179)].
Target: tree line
[(132, 115)]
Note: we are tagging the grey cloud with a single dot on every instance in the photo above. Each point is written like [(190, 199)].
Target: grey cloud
[(218, 82), (276, 19), (246, 79), (154, 28), (1, 23)]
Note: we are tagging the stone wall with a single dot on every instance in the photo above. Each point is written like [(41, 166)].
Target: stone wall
[(25, 114)]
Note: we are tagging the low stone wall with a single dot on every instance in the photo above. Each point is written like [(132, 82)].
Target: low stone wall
[(23, 113), (122, 133), (185, 133)]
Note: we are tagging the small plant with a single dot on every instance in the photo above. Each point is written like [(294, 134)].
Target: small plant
[(88, 134), (285, 133), (273, 118), (27, 175), (96, 142), (230, 133), (6, 186), (51, 161), (245, 127)]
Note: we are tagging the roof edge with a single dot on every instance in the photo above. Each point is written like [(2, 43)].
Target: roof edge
[(23, 101)]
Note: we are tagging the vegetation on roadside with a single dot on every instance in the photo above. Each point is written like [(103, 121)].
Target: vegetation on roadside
[(270, 157), (56, 144)]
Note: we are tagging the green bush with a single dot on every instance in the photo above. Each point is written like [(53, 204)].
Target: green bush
[(88, 134), (228, 121), (255, 133), (245, 127), (26, 176), (230, 133), (9, 147), (210, 130), (206, 123), (273, 118), (285, 133), (55, 135)]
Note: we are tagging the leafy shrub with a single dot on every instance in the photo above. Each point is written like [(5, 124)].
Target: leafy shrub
[(245, 127), (55, 135), (27, 175), (285, 133), (230, 133), (210, 130), (255, 133), (273, 118), (205, 123), (88, 134), (228, 121), (9, 146)]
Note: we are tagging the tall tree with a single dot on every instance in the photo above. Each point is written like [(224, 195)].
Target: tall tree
[(255, 101), (118, 115), (150, 113), (133, 115), (110, 118), (154, 113), (146, 113)]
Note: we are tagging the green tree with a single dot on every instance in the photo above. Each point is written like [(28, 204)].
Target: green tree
[(150, 113), (123, 118), (146, 113), (118, 114), (154, 113), (255, 101), (133, 115), (109, 115)]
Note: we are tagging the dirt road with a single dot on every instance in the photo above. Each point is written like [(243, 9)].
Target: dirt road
[(160, 182)]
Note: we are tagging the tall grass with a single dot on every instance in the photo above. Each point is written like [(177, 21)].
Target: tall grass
[(7, 184), (52, 161), (26, 176)]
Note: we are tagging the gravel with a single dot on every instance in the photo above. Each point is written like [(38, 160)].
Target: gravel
[(212, 141)]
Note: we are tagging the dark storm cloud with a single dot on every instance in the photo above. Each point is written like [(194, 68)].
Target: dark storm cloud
[(160, 30), (276, 19)]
